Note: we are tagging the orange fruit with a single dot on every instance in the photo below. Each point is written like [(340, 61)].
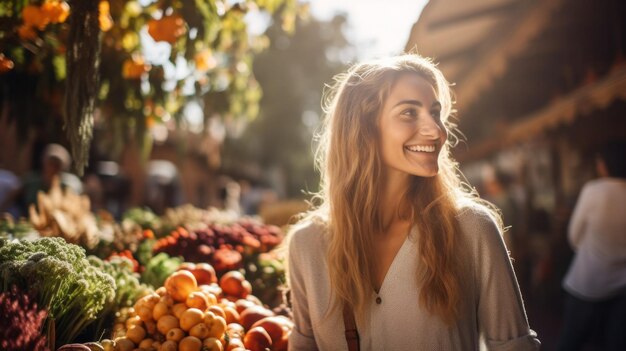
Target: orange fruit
[(180, 284), (190, 318), (190, 343)]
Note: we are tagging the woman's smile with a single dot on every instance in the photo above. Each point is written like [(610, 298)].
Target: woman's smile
[(411, 131)]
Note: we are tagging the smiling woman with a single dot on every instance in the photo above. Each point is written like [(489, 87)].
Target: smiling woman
[(411, 259), (411, 131)]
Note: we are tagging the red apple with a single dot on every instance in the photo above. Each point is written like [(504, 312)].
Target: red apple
[(273, 326), (241, 305), (257, 339), (235, 344), (253, 314), (233, 283), (282, 344), (204, 273), (254, 299)]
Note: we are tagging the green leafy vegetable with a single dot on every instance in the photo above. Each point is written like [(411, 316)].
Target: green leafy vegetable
[(72, 289)]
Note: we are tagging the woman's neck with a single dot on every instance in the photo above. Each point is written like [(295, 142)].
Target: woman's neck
[(392, 207)]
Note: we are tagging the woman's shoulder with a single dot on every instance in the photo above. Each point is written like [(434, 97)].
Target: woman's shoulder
[(482, 237), (603, 184), (306, 235), (475, 213), (478, 223)]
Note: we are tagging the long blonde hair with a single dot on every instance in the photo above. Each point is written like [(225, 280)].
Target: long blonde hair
[(349, 160)]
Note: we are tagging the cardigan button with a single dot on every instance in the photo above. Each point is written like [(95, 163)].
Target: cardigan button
[(379, 300)]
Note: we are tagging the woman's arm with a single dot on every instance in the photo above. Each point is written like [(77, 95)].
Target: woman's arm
[(501, 316), (301, 337)]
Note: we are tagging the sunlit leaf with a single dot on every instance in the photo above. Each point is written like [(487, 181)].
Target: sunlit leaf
[(59, 67)]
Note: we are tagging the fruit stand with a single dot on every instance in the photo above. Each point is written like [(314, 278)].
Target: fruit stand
[(192, 279)]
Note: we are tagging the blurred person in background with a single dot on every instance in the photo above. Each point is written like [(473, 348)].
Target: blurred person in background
[(596, 281), (399, 255), (55, 162), (9, 189), (163, 186)]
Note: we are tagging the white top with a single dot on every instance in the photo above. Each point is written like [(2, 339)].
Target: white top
[(493, 308), (597, 232)]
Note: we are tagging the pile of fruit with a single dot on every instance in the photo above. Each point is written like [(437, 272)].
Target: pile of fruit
[(191, 312), (222, 245)]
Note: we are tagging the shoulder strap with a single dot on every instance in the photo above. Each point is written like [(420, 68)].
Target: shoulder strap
[(352, 334)]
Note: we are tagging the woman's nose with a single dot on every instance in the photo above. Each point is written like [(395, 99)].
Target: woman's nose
[(430, 129)]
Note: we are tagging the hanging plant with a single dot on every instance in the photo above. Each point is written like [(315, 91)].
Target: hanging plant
[(142, 62)]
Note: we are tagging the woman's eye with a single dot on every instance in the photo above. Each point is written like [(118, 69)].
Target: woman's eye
[(410, 112), (436, 114)]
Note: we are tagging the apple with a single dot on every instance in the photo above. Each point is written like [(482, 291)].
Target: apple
[(273, 326), (282, 344), (253, 314), (254, 299), (204, 273), (257, 339), (242, 304), (234, 284)]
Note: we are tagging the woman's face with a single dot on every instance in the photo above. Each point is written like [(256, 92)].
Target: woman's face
[(410, 127)]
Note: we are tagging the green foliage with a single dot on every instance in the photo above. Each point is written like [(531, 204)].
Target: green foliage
[(128, 285), (266, 273), (128, 289), (144, 217), (10, 229), (72, 289), (159, 268), (144, 251), (212, 53)]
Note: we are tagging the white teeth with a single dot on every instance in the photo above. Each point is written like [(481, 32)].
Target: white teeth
[(420, 148)]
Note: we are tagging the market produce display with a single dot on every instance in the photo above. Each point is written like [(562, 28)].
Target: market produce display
[(244, 244), (21, 322), (192, 313), (9, 227), (194, 279), (66, 283), (158, 268), (222, 245)]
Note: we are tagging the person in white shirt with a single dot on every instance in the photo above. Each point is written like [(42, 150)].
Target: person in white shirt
[(399, 255), (596, 280)]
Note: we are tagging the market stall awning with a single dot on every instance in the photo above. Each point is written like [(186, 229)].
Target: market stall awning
[(562, 111), (473, 40)]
